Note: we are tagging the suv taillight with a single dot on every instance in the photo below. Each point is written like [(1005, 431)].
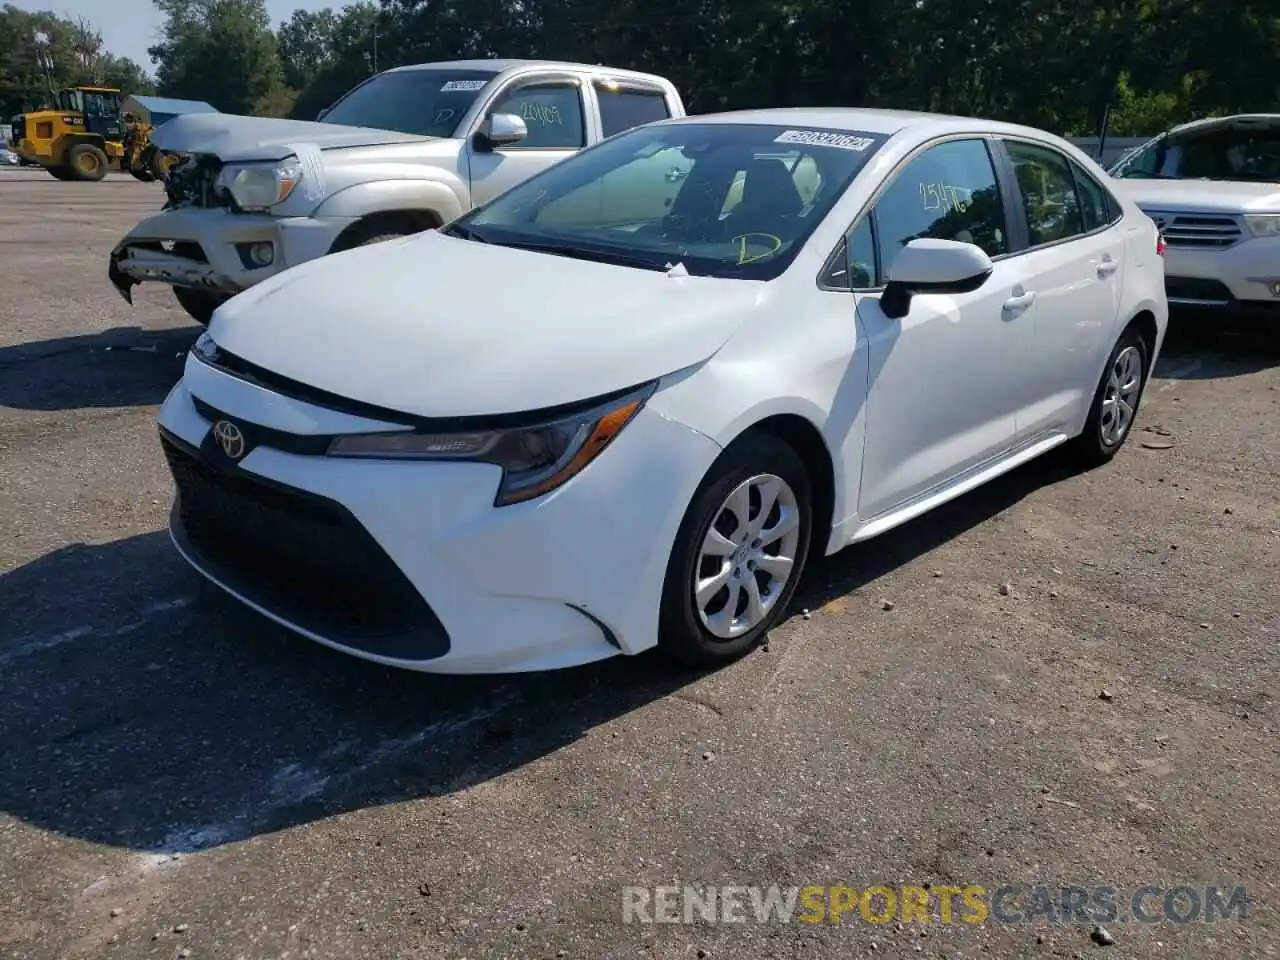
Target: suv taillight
[(1160, 245)]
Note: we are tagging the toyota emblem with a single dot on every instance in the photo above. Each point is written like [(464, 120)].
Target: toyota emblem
[(230, 439)]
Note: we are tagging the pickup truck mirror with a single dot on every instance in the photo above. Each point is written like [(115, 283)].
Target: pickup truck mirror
[(500, 129)]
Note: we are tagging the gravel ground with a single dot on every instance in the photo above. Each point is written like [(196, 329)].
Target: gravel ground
[(1075, 686)]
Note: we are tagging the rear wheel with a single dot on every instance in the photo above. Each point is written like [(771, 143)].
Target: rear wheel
[(86, 162), (738, 554), (1115, 402), (198, 304)]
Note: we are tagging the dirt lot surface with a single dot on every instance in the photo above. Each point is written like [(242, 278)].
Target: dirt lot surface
[(1076, 685)]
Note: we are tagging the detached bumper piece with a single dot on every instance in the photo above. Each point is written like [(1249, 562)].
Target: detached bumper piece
[(184, 266), (303, 557)]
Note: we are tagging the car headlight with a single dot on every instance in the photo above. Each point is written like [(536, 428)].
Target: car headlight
[(1263, 224), (257, 186), (535, 458)]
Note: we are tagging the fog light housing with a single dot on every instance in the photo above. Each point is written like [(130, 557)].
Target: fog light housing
[(262, 254), (1272, 284)]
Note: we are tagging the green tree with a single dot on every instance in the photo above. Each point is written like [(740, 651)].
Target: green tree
[(219, 51), (42, 52)]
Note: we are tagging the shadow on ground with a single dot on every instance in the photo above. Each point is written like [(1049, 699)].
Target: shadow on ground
[(1207, 346), (148, 711), (122, 367)]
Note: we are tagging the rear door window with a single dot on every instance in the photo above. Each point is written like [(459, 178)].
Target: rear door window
[(1048, 192), (623, 109)]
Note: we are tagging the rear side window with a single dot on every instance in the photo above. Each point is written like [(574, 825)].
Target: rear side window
[(1048, 192), (623, 109), (1097, 208)]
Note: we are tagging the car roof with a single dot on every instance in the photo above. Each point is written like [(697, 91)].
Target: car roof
[(496, 66), (865, 120)]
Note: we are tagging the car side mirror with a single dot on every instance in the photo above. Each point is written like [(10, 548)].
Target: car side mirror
[(927, 265), (499, 130)]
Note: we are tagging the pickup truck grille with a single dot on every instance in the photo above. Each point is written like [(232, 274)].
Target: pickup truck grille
[(1199, 231)]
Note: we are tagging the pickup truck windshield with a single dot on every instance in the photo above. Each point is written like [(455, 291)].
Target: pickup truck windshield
[(726, 200), (1248, 154), (425, 102)]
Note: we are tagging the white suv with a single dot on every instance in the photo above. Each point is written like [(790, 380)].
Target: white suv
[(1213, 189)]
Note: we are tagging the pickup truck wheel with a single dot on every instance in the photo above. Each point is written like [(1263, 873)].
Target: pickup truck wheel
[(198, 304)]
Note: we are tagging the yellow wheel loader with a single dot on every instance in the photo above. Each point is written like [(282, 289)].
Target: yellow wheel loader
[(78, 139)]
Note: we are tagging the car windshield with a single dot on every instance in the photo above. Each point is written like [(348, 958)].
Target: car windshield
[(429, 103), (1243, 153), (725, 200)]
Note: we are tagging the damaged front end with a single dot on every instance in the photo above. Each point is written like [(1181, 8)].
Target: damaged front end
[(149, 254)]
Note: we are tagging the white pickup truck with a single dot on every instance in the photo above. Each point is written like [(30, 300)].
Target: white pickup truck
[(1213, 188), (407, 150)]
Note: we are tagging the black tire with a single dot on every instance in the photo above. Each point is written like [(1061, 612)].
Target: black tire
[(86, 162), (58, 173), (139, 173), (684, 636), (198, 304), (1094, 446), (367, 234)]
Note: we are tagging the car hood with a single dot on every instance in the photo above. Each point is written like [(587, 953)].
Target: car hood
[(234, 138), (437, 326), (1211, 196)]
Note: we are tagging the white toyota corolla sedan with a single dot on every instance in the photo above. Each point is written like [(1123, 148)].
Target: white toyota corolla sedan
[(620, 405)]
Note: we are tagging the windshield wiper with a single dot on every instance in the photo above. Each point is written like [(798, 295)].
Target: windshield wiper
[(586, 253), (464, 233)]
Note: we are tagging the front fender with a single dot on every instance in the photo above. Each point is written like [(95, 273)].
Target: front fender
[(445, 200)]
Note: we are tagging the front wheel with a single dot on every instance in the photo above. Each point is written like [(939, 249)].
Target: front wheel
[(1115, 402), (198, 304), (738, 554), (87, 162)]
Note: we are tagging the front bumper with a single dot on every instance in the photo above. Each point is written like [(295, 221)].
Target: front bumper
[(1238, 276), (207, 248), (410, 563)]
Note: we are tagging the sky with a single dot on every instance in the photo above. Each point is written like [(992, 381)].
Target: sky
[(128, 27)]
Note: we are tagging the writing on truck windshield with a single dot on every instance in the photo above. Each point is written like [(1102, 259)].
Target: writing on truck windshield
[(428, 103), (729, 200), (1247, 154)]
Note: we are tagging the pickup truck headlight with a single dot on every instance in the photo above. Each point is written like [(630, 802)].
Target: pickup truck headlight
[(257, 186), (535, 459), (1263, 224)]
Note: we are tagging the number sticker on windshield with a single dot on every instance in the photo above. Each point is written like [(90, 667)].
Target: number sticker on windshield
[(821, 138), (745, 243), (455, 85)]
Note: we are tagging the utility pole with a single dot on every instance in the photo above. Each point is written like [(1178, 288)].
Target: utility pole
[(375, 45)]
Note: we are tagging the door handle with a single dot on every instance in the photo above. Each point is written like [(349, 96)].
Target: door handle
[(1020, 302), (1107, 267)]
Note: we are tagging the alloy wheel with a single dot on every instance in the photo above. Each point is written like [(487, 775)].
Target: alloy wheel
[(1124, 384), (747, 556)]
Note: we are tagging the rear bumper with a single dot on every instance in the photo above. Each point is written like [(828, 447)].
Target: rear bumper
[(208, 248)]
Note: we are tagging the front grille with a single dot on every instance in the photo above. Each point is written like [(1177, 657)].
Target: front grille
[(304, 558), (1196, 288), (1198, 231)]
